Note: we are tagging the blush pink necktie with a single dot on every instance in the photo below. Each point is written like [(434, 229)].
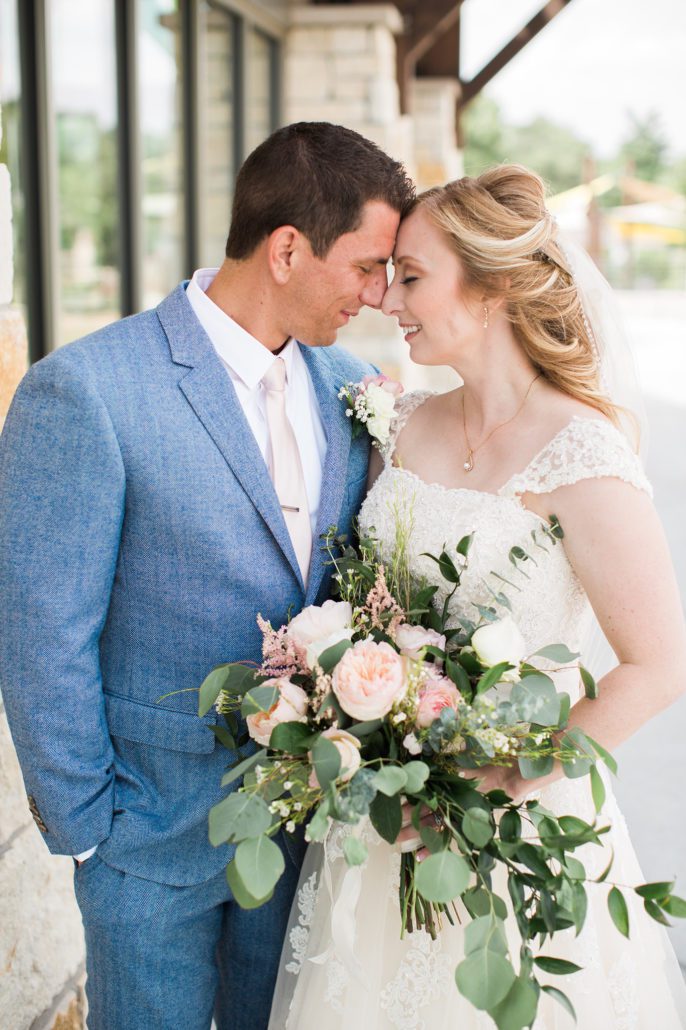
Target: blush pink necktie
[(286, 467)]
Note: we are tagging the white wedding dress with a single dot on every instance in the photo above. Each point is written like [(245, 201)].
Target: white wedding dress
[(344, 966)]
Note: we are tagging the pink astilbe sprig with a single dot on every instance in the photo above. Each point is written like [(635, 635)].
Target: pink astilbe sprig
[(380, 604), (281, 656)]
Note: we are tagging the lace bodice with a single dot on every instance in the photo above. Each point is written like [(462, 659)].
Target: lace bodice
[(548, 601)]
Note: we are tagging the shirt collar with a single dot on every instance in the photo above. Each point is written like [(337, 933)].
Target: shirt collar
[(244, 355)]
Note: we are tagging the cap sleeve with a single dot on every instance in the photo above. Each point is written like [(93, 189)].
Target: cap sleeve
[(405, 405), (584, 449)]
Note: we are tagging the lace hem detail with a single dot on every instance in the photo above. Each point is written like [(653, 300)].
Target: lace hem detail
[(424, 975), (584, 449), (406, 404)]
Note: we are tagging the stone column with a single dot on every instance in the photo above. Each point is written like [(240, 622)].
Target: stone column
[(41, 939), (340, 66), (437, 157)]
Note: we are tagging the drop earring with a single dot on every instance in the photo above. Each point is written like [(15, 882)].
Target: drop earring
[(485, 322)]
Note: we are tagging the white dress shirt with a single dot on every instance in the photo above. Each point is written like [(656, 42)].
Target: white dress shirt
[(246, 361)]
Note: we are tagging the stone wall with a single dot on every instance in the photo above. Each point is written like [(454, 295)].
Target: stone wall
[(41, 940), (340, 66)]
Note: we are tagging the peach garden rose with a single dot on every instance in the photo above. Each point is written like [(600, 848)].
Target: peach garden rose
[(369, 679), (348, 748), (291, 706), (439, 693)]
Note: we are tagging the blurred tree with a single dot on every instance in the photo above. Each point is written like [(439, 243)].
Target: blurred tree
[(553, 151), (484, 132), (645, 150)]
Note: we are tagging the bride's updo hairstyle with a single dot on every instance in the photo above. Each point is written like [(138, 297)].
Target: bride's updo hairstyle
[(505, 239)]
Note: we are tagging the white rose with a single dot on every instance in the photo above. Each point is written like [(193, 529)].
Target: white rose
[(411, 639), (291, 706), (379, 428), (379, 402), (500, 642), (348, 748), (319, 627)]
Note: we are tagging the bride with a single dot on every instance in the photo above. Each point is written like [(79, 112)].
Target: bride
[(539, 427)]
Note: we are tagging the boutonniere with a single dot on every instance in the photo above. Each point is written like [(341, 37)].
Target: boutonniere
[(371, 406)]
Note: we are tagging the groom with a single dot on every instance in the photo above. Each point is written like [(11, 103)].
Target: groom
[(161, 482)]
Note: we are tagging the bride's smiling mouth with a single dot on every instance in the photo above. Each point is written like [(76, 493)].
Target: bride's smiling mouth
[(410, 330)]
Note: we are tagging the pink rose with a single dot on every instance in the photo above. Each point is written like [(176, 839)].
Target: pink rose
[(411, 639), (369, 679), (291, 706), (439, 693), (348, 748), (382, 381)]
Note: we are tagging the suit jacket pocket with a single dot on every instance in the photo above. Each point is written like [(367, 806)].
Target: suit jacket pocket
[(159, 727)]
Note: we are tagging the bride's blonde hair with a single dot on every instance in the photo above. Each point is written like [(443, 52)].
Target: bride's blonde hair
[(505, 239)]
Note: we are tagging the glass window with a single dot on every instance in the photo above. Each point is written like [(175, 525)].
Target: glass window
[(83, 90), (217, 158), (10, 130), (159, 111), (260, 55)]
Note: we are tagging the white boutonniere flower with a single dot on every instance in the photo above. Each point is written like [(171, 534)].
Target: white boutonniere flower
[(371, 406)]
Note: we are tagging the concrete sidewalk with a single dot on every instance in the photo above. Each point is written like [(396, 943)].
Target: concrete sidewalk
[(652, 765)]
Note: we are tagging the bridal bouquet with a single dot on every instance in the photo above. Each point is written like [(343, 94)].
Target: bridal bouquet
[(379, 697)]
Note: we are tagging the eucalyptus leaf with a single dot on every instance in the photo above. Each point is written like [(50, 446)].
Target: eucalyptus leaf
[(484, 978), (558, 966), (225, 737), (259, 863), (355, 850), (561, 998), (243, 767), (365, 729), (259, 699), (329, 659), (537, 699), (607, 758), (442, 877), (655, 912), (492, 676), (476, 826), (518, 1008), (237, 817), (532, 768), (655, 891), (557, 653), (597, 788), (416, 773), (240, 893), (674, 906), (485, 932), (211, 687), (464, 545), (318, 826), (295, 738), (618, 910), (390, 780), (327, 761), (386, 816), (590, 685)]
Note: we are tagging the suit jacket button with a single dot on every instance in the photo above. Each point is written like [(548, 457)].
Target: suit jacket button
[(33, 809)]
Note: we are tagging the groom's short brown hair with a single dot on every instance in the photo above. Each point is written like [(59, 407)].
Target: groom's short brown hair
[(317, 177)]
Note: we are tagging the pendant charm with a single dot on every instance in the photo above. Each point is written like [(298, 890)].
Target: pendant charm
[(469, 463)]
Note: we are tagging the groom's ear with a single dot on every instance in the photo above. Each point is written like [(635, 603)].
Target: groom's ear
[(284, 247)]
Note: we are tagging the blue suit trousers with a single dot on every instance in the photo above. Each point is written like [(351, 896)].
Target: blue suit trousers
[(161, 957)]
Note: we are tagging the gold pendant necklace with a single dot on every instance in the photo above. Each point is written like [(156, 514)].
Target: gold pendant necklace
[(471, 451)]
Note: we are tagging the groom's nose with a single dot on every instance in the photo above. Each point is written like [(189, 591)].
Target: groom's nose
[(375, 287)]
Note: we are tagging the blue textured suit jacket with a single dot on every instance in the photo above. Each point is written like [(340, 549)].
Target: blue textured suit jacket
[(139, 537)]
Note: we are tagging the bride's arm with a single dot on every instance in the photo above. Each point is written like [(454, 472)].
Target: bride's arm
[(615, 542)]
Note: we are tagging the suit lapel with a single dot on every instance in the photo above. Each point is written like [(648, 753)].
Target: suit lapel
[(334, 474), (210, 393)]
